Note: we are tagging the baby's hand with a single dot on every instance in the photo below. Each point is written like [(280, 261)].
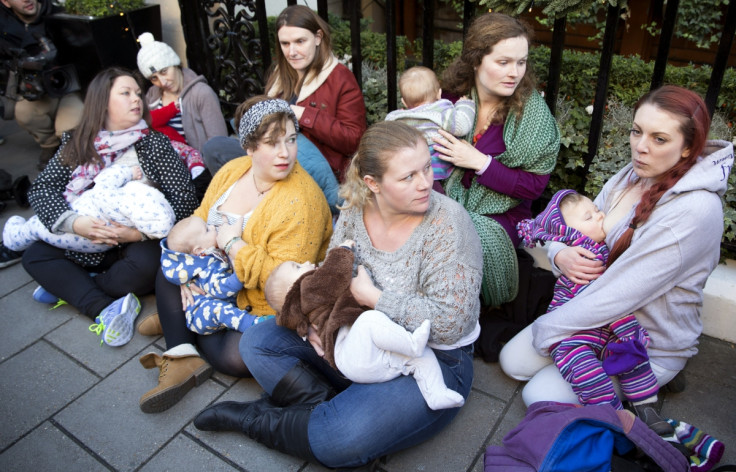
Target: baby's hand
[(137, 172), (348, 244)]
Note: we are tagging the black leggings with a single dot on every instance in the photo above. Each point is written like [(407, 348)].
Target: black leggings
[(220, 348), (131, 268)]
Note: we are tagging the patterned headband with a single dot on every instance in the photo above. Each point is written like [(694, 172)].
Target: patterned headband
[(253, 118)]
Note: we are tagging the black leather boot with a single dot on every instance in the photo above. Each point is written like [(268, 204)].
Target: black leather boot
[(230, 416), (283, 429), (302, 384)]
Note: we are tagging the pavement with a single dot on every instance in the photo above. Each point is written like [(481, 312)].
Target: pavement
[(69, 404)]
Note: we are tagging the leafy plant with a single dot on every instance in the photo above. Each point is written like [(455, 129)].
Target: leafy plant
[(630, 79), (101, 7), (551, 8)]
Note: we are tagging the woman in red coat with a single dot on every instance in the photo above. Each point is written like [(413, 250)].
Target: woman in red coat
[(323, 93)]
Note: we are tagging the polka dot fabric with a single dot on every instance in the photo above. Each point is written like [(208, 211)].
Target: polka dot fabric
[(157, 159)]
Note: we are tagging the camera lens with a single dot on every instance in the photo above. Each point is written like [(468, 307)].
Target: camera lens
[(58, 80)]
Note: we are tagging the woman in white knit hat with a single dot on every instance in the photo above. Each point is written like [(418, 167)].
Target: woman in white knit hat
[(182, 105)]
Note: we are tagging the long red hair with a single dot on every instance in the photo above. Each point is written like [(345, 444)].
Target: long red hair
[(694, 120)]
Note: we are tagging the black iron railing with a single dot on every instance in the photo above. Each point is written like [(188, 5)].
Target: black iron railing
[(222, 44)]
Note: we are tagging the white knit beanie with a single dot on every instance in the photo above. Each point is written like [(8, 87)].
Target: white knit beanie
[(155, 55)]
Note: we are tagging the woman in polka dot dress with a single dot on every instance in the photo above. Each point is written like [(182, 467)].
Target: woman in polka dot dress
[(114, 121)]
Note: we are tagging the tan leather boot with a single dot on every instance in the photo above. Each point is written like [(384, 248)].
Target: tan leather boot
[(179, 373), (150, 326)]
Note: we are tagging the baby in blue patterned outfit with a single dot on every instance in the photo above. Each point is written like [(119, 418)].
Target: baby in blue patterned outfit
[(119, 195), (190, 255)]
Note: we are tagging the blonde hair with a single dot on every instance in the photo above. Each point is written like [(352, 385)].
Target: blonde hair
[(277, 286), (181, 236), (377, 146), (418, 85)]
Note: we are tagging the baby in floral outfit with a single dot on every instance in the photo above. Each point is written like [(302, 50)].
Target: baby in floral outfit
[(119, 193)]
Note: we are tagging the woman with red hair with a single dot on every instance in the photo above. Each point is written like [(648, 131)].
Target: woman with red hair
[(664, 222)]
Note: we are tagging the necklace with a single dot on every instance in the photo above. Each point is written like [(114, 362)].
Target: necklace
[(255, 185), (482, 131)]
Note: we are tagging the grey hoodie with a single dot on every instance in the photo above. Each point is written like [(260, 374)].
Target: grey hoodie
[(660, 277)]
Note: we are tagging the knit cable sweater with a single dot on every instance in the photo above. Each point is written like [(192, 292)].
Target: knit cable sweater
[(435, 275)]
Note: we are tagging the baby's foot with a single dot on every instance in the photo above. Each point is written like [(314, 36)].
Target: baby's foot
[(420, 337), (16, 236)]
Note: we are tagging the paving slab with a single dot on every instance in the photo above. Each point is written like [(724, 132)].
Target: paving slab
[(19, 153), (459, 445), (49, 449), (709, 400), (513, 415), (37, 382), (238, 448), (12, 278), (107, 418), (82, 345), (489, 378), (183, 453), (25, 320)]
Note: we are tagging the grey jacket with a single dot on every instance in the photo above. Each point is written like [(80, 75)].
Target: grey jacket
[(200, 109), (660, 277)]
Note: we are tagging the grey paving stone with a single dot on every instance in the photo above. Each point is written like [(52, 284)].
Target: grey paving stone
[(37, 382), (709, 401), (225, 379), (80, 343), (459, 445), (183, 454), (48, 449), (107, 418), (13, 277), (489, 378), (25, 321), (513, 416), (240, 449)]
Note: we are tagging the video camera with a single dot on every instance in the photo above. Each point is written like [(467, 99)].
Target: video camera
[(32, 77)]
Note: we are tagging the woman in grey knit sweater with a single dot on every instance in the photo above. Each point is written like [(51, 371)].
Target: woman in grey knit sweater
[(418, 258)]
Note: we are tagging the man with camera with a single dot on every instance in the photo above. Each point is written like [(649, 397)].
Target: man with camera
[(41, 96)]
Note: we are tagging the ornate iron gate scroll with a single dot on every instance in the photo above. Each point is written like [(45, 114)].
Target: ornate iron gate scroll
[(222, 45)]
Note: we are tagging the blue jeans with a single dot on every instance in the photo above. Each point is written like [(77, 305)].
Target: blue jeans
[(364, 421)]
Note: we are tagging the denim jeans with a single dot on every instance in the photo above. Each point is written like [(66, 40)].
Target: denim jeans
[(364, 421)]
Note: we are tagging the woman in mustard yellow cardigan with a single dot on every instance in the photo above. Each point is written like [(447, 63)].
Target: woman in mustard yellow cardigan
[(267, 210)]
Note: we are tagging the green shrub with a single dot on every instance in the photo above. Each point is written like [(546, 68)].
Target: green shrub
[(101, 7), (630, 79)]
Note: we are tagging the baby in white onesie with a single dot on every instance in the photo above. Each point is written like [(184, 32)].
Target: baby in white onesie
[(119, 194)]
